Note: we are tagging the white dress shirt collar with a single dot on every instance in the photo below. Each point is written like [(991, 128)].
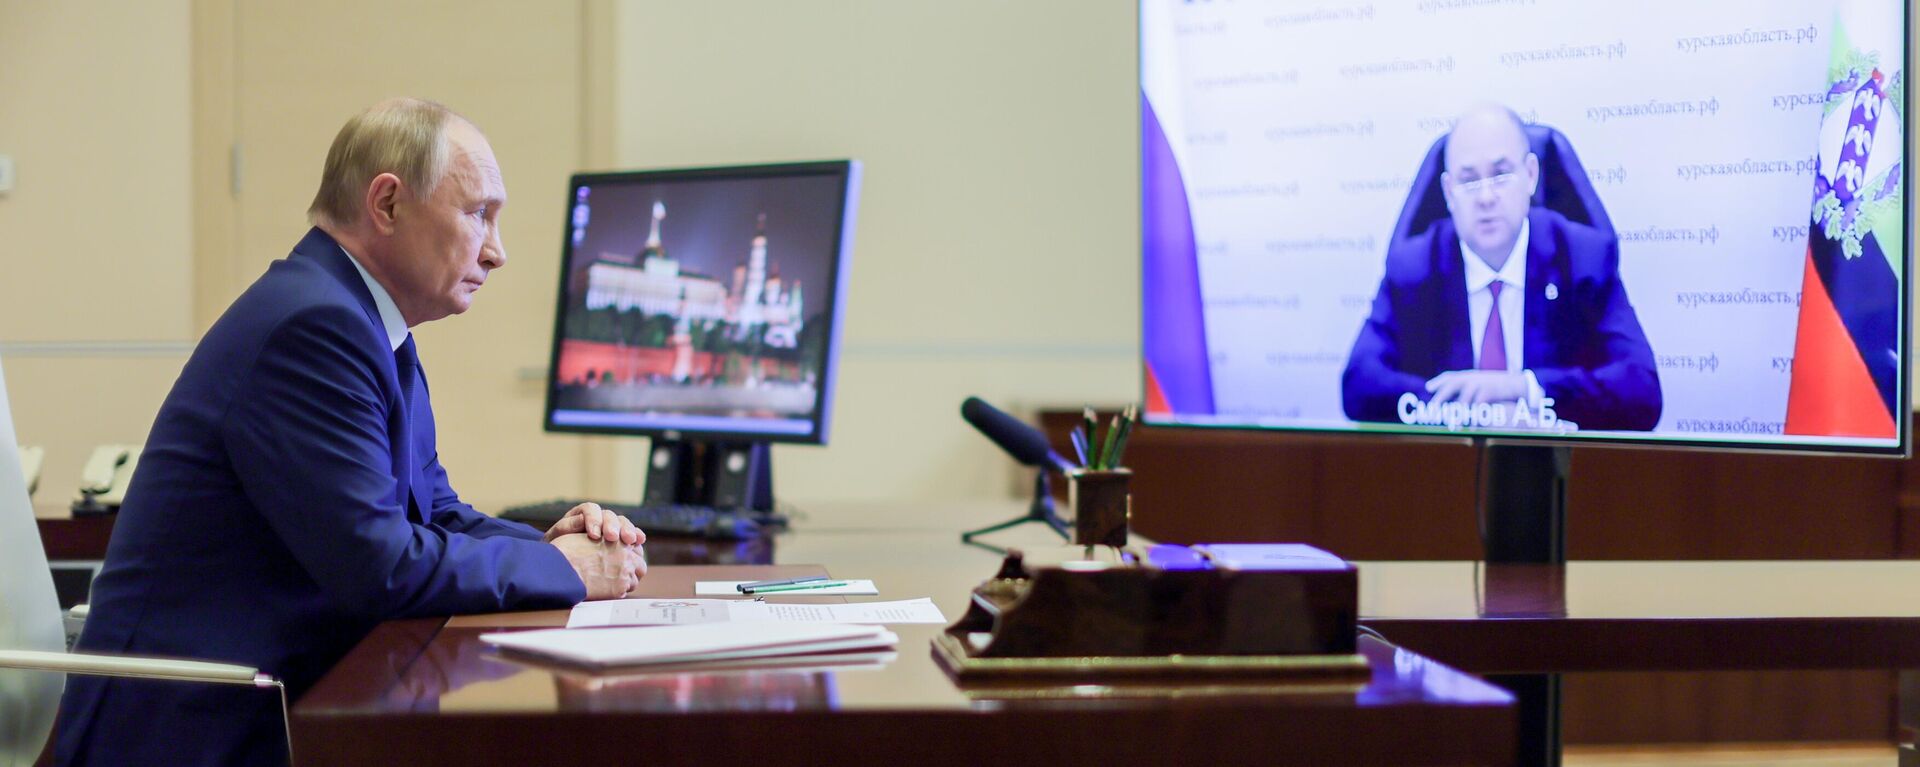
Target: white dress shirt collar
[(390, 319), (1513, 272), (1512, 305)]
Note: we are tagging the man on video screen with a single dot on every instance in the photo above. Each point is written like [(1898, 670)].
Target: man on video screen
[(1502, 303)]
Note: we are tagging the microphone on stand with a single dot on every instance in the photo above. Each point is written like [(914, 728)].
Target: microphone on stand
[(1028, 446), (1025, 443)]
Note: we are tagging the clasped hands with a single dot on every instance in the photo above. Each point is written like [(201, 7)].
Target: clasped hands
[(1477, 386), (604, 549)]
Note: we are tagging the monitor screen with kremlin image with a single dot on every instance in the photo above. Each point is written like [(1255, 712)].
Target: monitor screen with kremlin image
[(702, 303), (1638, 222)]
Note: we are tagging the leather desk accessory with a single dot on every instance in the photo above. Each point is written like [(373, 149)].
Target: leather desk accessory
[(1222, 611)]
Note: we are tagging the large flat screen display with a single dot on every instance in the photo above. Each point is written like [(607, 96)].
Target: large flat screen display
[(702, 303), (1673, 222)]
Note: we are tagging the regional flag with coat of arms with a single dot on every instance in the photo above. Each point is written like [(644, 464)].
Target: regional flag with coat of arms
[(1846, 363)]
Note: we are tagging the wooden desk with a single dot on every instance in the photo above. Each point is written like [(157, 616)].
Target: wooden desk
[(1653, 616), (75, 547), (1649, 616), (67, 537), (1192, 485), (1594, 616), (428, 690)]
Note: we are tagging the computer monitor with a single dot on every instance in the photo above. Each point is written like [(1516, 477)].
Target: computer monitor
[(701, 307), (1671, 224)]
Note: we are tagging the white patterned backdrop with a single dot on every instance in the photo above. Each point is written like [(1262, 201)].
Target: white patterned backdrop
[(1299, 125)]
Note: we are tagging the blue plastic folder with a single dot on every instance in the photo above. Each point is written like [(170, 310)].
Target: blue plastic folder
[(1243, 556)]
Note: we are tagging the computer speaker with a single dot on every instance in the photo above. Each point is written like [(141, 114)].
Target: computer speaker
[(739, 476), (669, 479)]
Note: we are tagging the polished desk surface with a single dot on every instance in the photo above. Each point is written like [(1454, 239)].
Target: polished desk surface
[(1647, 616), (1586, 616), (1659, 616), (429, 689)]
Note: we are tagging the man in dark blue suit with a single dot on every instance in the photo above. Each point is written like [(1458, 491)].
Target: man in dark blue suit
[(1502, 303), (290, 496)]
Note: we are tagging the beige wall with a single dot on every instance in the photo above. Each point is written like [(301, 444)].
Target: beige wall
[(125, 237), (997, 136), (96, 237), (94, 111), (996, 253), (515, 68)]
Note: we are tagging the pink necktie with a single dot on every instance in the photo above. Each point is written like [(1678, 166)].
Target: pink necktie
[(1493, 345)]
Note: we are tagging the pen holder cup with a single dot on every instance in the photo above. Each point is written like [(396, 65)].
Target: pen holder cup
[(1102, 502)]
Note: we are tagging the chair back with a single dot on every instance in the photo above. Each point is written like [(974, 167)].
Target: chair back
[(30, 616), (1564, 186)]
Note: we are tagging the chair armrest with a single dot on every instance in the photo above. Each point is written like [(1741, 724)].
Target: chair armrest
[(137, 667)]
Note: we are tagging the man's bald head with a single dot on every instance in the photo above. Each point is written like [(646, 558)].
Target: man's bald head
[(1492, 123), (1489, 180)]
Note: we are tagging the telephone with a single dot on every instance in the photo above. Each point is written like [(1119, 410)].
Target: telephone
[(30, 460), (104, 480)]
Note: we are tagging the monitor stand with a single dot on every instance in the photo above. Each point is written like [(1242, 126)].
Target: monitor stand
[(731, 476), (1523, 503), (1523, 520)]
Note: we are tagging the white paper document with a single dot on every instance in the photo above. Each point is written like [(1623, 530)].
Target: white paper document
[(661, 612), (849, 660), (919, 610), (696, 644), (647, 612), (732, 589)]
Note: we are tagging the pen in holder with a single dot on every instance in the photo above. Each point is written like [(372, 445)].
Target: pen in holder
[(1101, 504)]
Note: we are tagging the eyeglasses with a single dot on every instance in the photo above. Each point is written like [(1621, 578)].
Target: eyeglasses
[(1496, 183)]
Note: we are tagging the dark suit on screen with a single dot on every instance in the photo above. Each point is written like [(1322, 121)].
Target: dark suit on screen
[(1584, 345), (288, 500)]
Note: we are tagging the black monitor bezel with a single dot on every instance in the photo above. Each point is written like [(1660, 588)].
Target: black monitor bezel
[(845, 172), (1903, 418)]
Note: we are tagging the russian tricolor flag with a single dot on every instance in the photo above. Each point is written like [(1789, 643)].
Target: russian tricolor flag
[(1173, 333), (1846, 362)]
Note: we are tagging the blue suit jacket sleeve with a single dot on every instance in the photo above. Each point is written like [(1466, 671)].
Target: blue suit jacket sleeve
[(1371, 385), (455, 516), (307, 432), (447, 511), (1613, 383)]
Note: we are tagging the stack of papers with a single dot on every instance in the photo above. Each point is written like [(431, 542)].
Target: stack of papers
[(642, 611), (703, 643)]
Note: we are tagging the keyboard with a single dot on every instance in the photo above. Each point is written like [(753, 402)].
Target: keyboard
[(673, 520)]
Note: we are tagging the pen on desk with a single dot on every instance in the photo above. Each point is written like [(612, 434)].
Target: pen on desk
[(797, 587), (746, 588)]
